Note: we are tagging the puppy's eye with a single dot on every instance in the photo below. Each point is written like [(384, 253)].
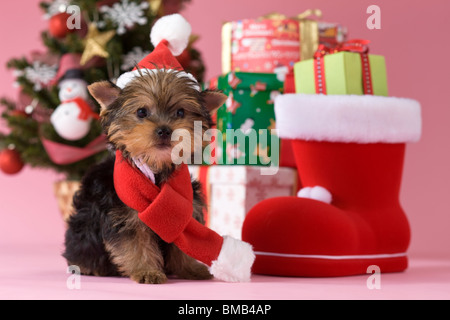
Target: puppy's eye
[(180, 113), (142, 113)]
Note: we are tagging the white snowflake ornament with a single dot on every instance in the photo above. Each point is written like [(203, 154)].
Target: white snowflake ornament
[(40, 74), (126, 14), (57, 6), (132, 58)]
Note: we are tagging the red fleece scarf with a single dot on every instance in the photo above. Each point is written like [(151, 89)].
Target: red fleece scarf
[(167, 210), (86, 110)]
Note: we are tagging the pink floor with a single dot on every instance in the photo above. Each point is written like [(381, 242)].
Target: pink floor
[(39, 272)]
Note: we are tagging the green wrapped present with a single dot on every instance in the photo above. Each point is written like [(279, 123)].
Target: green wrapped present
[(246, 120), (343, 74)]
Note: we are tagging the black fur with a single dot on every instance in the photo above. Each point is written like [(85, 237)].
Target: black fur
[(91, 225), (105, 237), (84, 237)]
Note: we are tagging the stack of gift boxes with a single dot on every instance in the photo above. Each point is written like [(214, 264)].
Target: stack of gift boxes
[(259, 60)]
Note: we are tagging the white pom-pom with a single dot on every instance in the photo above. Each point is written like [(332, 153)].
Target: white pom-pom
[(317, 193), (304, 192), (321, 194), (235, 261), (173, 28)]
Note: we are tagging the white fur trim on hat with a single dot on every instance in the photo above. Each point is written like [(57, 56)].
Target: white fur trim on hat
[(173, 28), (348, 118), (127, 77), (234, 262)]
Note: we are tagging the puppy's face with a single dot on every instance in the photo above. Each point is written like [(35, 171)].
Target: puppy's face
[(140, 119)]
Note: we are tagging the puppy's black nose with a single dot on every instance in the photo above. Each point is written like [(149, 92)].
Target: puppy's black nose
[(164, 132)]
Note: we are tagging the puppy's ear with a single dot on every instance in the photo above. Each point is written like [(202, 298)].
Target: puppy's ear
[(105, 92), (213, 99)]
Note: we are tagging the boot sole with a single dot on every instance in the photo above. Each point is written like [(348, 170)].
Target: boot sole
[(326, 265)]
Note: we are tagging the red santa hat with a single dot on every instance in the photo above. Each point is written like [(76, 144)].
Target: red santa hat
[(170, 37)]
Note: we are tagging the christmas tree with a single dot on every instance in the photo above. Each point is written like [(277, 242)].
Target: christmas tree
[(54, 122)]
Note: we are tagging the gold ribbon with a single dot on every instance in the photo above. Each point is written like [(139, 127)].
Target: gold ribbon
[(309, 33), (308, 30), (310, 12), (273, 16), (227, 29)]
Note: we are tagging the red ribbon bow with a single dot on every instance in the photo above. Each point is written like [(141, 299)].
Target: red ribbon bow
[(356, 45), (323, 50)]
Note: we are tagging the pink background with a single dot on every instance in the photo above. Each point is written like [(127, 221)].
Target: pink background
[(413, 38)]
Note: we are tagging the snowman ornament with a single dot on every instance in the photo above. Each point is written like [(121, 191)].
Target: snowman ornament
[(72, 118)]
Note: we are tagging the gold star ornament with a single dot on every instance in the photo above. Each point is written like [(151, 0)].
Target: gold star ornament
[(155, 7), (95, 44)]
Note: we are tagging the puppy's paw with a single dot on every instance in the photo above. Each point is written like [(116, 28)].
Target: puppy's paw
[(149, 277), (196, 271)]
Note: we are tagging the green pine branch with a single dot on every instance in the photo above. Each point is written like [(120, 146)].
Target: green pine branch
[(9, 104), (25, 132)]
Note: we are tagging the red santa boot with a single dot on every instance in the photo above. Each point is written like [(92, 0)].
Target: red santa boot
[(349, 152)]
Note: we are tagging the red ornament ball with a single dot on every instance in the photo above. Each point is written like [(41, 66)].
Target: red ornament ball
[(10, 161), (58, 25), (19, 114)]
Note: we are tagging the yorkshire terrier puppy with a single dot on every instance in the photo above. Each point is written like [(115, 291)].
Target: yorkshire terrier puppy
[(104, 236)]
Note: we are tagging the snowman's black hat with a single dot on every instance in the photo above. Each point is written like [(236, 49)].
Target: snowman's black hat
[(72, 74)]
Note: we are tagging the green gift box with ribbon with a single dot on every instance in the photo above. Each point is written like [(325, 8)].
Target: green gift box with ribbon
[(346, 69), (246, 120)]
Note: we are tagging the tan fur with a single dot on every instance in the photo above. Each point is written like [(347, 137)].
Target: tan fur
[(137, 254), (137, 251), (162, 94), (183, 266), (139, 257)]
